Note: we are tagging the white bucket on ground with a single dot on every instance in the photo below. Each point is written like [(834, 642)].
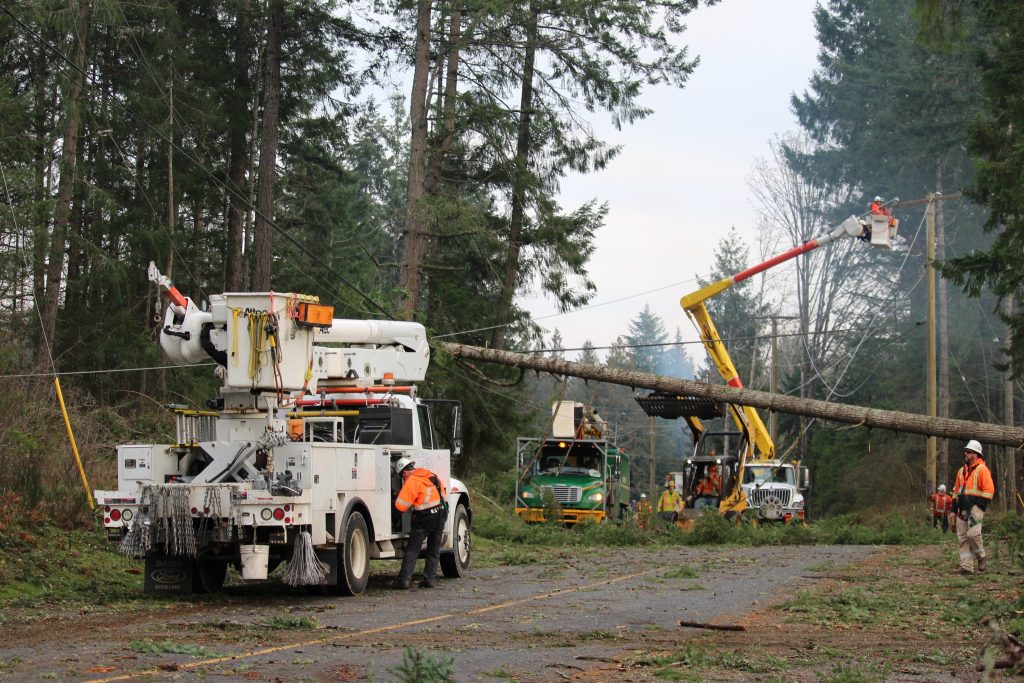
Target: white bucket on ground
[(254, 561)]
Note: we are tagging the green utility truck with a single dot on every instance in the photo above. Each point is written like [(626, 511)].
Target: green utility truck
[(576, 471)]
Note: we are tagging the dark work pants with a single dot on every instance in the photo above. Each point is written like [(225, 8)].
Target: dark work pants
[(942, 519), (428, 524)]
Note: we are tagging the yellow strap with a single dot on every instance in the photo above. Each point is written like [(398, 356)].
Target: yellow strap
[(235, 314)]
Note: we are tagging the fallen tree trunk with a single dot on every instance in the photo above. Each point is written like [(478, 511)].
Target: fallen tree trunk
[(893, 420)]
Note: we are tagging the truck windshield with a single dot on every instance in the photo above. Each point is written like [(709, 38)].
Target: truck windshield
[(764, 474), (558, 461)]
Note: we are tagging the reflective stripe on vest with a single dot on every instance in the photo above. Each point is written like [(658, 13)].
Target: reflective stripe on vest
[(968, 482)]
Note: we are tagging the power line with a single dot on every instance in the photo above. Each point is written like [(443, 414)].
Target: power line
[(101, 372), (810, 333)]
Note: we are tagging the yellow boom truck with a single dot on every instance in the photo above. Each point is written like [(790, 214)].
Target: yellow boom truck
[(752, 476)]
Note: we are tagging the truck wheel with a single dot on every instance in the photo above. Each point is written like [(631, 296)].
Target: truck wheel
[(354, 557), (208, 576), (455, 564)]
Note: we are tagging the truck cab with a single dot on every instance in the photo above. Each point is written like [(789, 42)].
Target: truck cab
[(577, 473), (775, 490)]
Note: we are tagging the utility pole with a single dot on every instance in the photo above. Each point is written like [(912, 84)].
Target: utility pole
[(930, 458), (773, 376), (1009, 468), (931, 200)]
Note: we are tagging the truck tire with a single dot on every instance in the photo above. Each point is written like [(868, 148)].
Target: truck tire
[(354, 557), (455, 563), (208, 575)]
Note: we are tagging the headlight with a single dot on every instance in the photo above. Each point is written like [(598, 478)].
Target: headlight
[(798, 504), (527, 494), (597, 497)]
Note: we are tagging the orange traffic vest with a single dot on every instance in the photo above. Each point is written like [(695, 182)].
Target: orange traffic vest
[(941, 503), (976, 481), (710, 486), (419, 492)]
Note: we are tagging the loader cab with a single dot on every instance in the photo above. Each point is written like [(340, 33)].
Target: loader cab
[(720, 451)]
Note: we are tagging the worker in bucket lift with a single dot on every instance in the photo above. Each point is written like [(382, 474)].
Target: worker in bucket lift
[(878, 208), (422, 491), (709, 489)]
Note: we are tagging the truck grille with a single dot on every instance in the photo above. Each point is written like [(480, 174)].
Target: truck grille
[(756, 497), (566, 494)]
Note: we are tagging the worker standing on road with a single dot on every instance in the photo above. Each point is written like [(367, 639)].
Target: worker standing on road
[(422, 491), (643, 511), (669, 503), (974, 490), (942, 504)]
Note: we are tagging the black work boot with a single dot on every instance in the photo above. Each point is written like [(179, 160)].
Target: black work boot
[(401, 584), (428, 583)]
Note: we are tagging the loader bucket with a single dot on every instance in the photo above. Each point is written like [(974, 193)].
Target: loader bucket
[(671, 406)]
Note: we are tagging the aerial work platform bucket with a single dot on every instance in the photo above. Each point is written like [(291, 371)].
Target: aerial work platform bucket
[(883, 230)]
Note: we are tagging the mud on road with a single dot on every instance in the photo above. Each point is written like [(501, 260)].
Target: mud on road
[(571, 618)]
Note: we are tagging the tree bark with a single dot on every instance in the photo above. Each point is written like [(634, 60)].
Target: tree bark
[(893, 420), (414, 249), (451, 81), (238, 159), (263, 243), (520, 173), (1009, 483), (68, 172), (943, 327)]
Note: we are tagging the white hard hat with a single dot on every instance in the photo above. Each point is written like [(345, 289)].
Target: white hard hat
[(942, 487), (973, 445), (877, 198), (403, 463), (643, 495)]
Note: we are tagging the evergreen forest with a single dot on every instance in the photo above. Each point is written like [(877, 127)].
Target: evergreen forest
[(261, 145)]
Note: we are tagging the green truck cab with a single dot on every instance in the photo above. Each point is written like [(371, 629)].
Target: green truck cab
[(576, 472)]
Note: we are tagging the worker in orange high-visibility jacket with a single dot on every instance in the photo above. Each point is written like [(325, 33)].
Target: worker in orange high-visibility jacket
[(709, 489), (878, 208), (424, 493), (973, 490), (942, 505)]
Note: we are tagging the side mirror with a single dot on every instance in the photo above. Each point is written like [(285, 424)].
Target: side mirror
[(805, 478), (456, 435)]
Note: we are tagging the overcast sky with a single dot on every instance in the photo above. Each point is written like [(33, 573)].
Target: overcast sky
[(680, 181)]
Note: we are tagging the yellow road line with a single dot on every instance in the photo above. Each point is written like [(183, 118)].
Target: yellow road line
[(368, 632)]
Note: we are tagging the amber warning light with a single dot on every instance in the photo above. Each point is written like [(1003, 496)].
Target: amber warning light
[(315, 314)]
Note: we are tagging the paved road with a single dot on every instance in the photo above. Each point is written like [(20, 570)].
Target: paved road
[(534, 623)]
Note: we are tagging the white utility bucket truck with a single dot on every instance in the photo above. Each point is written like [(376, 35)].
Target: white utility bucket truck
[(294, 460)]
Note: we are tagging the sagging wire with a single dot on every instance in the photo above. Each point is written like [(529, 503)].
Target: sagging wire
[(871, 326)]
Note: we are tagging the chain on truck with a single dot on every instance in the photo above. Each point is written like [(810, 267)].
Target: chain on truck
[(294, 460), (751, 475)]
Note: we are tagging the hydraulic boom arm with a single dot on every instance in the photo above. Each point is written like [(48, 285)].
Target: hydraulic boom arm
[(746, 417)]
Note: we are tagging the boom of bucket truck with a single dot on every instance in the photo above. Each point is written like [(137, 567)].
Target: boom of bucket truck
[(293, 461), (752, 476)]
